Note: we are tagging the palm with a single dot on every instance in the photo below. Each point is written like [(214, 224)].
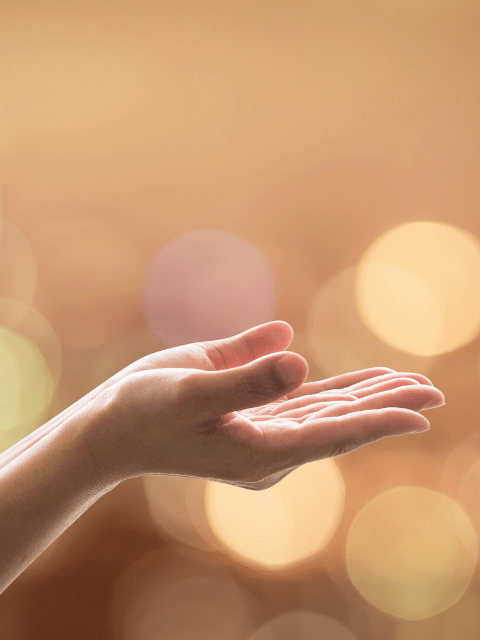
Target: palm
[(275, 425), (274, 428), (312, 401)]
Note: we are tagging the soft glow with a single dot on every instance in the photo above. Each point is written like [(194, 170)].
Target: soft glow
[(26, 385), (338, 339), (411, 552), (203, 607), (461, 459), (469, 493), (302, 625), (31, 324), (394, 296), (167, 505), (163, 596), (284, 524), (461, 621), (207, 285), (417, 287)]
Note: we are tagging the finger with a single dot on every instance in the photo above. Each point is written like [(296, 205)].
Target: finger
[(339, 382), (392, 383), (301, 412), (304, 403), (214, 393), (249, 345), (389, 376), (335, 436), (277, 419), (413, 397)]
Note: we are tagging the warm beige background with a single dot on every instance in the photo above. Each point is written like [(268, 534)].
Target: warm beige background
[(307, 128)]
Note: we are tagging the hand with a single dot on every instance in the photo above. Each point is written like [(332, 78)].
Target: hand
[(219, 410)]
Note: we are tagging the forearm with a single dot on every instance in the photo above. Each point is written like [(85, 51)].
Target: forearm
[(48, 487), (32, 438)]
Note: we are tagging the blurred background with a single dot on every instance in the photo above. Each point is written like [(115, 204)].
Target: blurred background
[(179, 171)]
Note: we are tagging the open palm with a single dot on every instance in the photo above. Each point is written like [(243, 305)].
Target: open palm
[(255, 447), (370, 396)]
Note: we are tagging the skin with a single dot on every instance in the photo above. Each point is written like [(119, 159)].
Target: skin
[(215, 427), (216, 410)]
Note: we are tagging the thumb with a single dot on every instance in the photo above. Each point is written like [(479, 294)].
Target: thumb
[(251, 385)]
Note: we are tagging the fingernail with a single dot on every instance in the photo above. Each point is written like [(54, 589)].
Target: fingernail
[(434, 404), (285, 372), (421, 429)]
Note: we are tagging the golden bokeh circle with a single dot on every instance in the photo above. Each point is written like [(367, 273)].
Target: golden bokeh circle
[(411, 552), (283, 525), (417, 287), (302, 625)]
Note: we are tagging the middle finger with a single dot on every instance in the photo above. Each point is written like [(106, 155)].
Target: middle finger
[(308, 400)]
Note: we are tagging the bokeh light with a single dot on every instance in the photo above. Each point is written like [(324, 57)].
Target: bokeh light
[(417, 287), (338, 339), (26, 386), (206, 608), (460, 459), (167, 505), (302, 625), (283, 141), (282, 525), (411, 552), (206, 285), (31, 324), (91, 277), (469, 493), (47, 356), (163, 596), (460, 621)]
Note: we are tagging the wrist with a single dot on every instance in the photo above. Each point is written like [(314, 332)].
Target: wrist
[(100, 420)]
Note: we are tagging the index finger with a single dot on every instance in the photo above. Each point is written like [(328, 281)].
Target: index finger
[(338, 382)]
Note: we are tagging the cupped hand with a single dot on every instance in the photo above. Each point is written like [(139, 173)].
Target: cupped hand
[(219, 410)]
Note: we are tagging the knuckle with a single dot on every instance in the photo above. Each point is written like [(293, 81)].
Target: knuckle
[(257, 388), (215, 352), (350, 444), (346, 442), (198, 394)]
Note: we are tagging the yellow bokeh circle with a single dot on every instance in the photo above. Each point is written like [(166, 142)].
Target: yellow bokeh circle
[(26, 383), (411, 552), (282, 525), (417, 288)]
